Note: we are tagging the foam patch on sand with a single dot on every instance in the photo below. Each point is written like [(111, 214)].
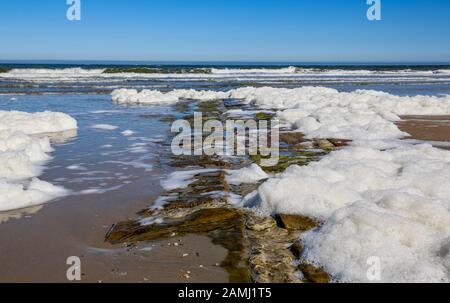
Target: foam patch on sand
[(22, 156), (378, 197)]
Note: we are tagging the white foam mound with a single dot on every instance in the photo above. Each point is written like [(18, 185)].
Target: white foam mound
[(22, 157), (317, 111), (156, 97), (391, 204), (407, 233), (251, 174), (356, 174), (36, 123), (17, 196)]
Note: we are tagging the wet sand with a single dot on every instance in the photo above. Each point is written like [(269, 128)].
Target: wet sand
[(34, 246), (428, 128)]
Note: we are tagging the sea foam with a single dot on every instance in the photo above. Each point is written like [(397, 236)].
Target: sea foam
[(22, 155)]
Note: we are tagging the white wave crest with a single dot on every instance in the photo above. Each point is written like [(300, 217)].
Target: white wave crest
[(286, 70)]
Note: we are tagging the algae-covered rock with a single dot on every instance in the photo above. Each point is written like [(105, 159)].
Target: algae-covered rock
[(295, 222), (264, 116), (269, 259), (257, 223), (284, 161), (203, 162), (202, 221), (325, 144), (292, 138)]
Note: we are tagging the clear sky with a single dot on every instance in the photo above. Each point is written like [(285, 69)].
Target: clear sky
[(226, 30)]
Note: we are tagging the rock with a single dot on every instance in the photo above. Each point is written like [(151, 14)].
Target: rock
[(295, 222), (313, 274), (245, 188), (292, 138), (264, 116), (259, 223), (201, 161), (202, 221), (325, 144), (269, 259), (296, 249), (339, 142), (259, 248)]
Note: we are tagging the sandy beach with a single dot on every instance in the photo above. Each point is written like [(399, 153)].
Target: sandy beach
[(77, 226)]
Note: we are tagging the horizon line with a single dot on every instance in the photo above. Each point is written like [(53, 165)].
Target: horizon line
[(212, 62)]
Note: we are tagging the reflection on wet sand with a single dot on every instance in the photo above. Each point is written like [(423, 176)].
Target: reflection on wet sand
[(19, 213)]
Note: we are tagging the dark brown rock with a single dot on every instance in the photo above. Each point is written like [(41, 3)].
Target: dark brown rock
[(339, 142), (296, 249), (313, 274), (292, 138)]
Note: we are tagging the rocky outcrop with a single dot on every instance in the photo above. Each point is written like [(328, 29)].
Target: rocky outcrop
[(261, 249)]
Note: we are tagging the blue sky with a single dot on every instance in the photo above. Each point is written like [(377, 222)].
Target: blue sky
[(226, 30)]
